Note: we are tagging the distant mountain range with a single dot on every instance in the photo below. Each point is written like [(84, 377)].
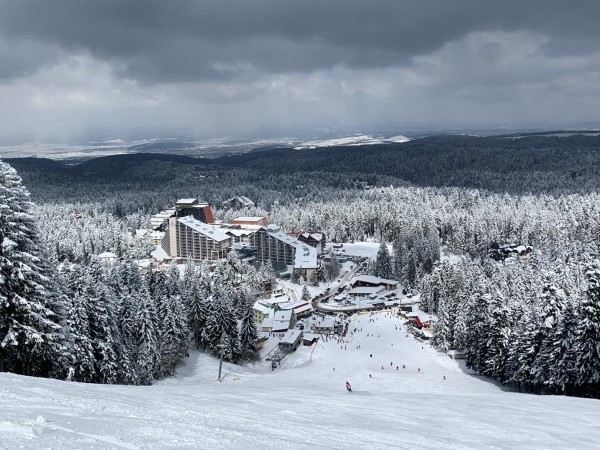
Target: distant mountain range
[(211, 148), (219, 147)]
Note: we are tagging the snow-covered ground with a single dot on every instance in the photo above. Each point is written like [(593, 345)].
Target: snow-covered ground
[(302, 404), (358, 139), (361, 249), (206, 147)]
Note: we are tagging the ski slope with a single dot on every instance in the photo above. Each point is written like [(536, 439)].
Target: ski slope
[(303, 404)]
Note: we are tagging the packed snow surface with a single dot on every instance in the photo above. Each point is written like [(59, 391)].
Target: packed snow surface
[(302, 404)]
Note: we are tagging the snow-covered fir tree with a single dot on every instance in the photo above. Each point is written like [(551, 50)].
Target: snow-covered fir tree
[(383, 262), (30, 330)]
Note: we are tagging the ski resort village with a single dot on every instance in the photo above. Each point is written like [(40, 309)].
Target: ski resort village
[(210, 333), (306, 290)]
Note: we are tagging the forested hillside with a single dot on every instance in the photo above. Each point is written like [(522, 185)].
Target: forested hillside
[(533, 324)]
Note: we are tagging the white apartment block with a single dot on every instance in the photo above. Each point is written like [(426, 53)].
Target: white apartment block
[(187, 237)]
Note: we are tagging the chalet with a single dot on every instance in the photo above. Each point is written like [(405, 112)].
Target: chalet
[(312, 238), (279, 321), (108, 258), (238, 203), (262, 311), (157, 237), (413, 319), (237, 234), (366, 291), (502, 252), (291, 341), (301, 309), (429, 322), (325, 325), (371, 281)]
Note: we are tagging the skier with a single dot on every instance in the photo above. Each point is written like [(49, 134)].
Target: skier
[(348, 387)]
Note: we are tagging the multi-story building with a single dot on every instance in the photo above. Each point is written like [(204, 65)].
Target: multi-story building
[(187, 237), (159, 221), (193, 207), (274, 245)]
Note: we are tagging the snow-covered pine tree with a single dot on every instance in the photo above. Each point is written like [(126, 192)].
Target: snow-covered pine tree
[(498, 333), (146, 337), (248, 330), (524, 348), (221, 330), (587, 345), (29, 329), (306, 297), (383, 262), (552, 302), (563, 376), (102, 316), (189, 273), (83, 352), (174, 337), (476, 350), (197, 310)]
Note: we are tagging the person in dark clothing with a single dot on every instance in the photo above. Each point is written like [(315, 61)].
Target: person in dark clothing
[(348, 387)]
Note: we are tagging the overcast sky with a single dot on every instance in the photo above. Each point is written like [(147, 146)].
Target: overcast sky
[(219, 67)]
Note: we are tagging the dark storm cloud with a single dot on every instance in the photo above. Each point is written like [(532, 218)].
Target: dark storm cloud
[(191, 40)]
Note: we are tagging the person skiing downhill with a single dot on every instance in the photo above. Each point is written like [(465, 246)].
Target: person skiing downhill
[(348, 387)]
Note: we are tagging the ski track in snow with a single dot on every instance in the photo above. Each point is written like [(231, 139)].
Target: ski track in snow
[(302, 404)]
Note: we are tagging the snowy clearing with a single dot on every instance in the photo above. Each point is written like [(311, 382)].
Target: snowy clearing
[(303, 404)]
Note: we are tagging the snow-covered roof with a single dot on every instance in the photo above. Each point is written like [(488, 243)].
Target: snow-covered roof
[(186, 201), (248, 219), (325, 322), (302, 308), (279, 299), (315, 236), (107, 255), (159, 253), (242, 199), (157, 234), (281, 320), (258, 306), (455, 352), (290, 337), (373, 280), (141, 233), (366, 290), (203, 228)]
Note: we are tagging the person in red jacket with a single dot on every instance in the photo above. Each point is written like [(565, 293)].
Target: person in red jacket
[(348, 387)]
